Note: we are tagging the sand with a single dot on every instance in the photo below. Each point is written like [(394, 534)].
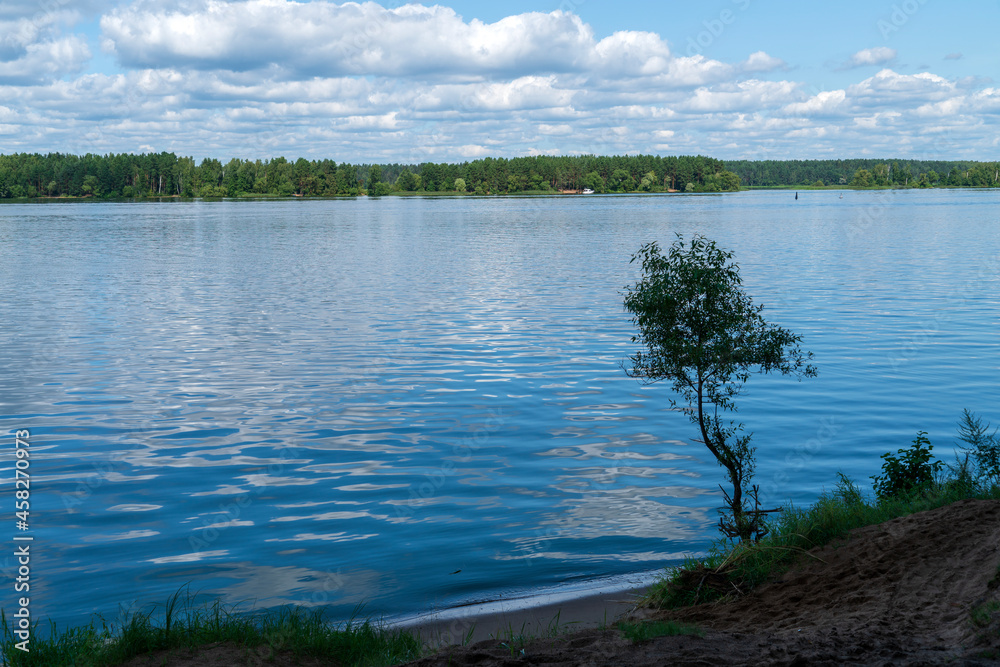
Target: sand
[(899, 593)]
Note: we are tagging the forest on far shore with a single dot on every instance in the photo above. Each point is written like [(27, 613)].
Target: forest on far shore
[(127, 175), (866, 173), (167, 175)]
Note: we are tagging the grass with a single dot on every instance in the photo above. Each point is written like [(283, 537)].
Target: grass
[(734, 569), (644, 631), (182, 624), (515, 640), (982, 615)]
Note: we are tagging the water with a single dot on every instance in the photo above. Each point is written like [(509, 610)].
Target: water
[(418, 403)]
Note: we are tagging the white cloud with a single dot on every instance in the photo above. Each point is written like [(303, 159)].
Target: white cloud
[(326, 39), (985, 101), (882, 118), (760, 62), (629, 53), (892, 89), (880, 55), (822, 103), (43, 61), (743, 96), (261, 78)]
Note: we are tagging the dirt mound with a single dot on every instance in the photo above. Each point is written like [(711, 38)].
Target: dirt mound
[(903, 592)]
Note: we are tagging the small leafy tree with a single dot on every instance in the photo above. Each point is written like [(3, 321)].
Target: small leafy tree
[(701, 331), (909, 473)]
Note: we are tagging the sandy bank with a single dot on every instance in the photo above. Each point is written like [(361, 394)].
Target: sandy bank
[(901, 592)]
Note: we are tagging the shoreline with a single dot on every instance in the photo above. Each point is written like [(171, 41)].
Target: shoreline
[(541, 613), (920, 588)]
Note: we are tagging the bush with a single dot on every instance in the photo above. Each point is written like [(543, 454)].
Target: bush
[(380, 190), (985, 447), (909, 474)]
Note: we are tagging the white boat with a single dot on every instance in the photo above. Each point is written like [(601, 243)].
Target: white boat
[(588, 191)]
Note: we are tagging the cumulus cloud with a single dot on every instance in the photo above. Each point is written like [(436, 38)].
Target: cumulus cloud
[(326, 39), (761, 62), (260, 78), (744, 96), (630, 53), (888, 88), (824, 103), (46, 60), (881, 55), (33, 48)]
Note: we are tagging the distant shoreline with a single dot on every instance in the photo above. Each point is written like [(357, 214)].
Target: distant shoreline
[(452, 194)]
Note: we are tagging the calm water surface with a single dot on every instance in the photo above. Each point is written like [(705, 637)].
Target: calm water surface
[(418, 403)]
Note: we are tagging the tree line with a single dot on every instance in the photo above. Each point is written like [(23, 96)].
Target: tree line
[(866, 173), (167, 175)]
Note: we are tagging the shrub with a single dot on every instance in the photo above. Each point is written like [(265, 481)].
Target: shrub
[(985, 446), (908, 474)]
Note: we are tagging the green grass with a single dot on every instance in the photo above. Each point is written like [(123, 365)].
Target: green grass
[(644, 631), (180, 624), (734, 569), (515, 640), (982, 615)]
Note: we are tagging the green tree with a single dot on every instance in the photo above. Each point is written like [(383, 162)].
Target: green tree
[(701, 331), (406, 182), (729, 182), (460, 185), (862, 179), (594, 181), (90, 186), (648, 182), (621, 181), (881, 175), (374, 175), (303, 177), (379, 189)]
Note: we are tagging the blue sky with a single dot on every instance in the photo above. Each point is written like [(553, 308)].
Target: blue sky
[(394, 82)]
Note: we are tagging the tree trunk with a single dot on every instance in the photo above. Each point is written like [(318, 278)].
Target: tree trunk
[(729, 465)]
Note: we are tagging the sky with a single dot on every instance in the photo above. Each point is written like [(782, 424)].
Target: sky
[(409, 83)]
